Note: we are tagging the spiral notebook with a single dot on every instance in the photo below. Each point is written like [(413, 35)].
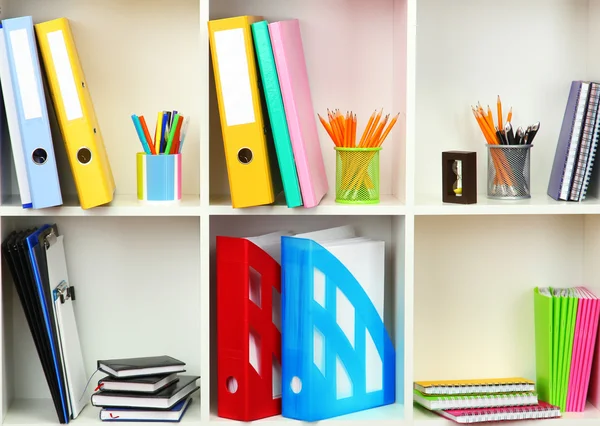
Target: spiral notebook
[(543, 410), (477, 386), (454, 402)]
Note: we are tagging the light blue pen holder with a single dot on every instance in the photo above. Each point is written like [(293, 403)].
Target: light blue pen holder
[(158, 178)]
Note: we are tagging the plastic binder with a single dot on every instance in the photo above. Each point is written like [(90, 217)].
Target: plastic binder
[(248, 338), (338, 356)]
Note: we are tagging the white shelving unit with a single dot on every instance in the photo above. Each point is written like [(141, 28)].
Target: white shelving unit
[(459, 279)]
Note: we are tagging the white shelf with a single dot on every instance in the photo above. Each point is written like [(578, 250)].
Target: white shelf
[(41, 412), (122, 205), (538, 204), (590, 417), (388, 415), (388, 205)]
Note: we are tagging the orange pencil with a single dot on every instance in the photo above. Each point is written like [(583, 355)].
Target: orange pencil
[(327, 129), (509, 118), (387, 131), (377, 134), (373, 128), (499, 103), (367, 129), (147, 134)]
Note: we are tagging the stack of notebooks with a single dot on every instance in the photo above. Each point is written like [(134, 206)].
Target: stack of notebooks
[(144, 389), (43, 84), (487, 400), (269, 127), (571, 175), (566, 329)]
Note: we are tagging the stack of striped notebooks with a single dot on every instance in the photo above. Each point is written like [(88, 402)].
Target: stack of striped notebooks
[(486, 400)]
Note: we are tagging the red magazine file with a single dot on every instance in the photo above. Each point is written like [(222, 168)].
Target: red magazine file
[(243, 269)]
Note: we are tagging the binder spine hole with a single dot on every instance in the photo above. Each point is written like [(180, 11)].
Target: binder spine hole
[(39, 156), (296, 385), (84, 155), (254, 286), (245, 155), (232, 384)]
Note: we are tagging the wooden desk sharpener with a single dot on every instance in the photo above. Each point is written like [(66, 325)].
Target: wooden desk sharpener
[(459, 177)]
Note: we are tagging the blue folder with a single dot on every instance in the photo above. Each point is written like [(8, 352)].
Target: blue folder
[(308, 393), (32, 111)]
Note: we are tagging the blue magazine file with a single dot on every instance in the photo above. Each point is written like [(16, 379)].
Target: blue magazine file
[(310, 393)]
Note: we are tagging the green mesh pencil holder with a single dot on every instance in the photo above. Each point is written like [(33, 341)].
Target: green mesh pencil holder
[(357, 175)]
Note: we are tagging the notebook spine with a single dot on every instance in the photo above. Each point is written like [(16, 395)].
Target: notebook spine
[(486, 401), (587, 139), (479, 389), (511, 413), (590, 160), (576, 130)]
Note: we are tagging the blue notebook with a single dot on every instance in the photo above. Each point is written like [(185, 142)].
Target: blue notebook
[(118, 414)]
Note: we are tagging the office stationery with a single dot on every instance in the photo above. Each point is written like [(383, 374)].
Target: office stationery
[(16, 253), (32, 112), (158, 177), (142, 366), (459, 177), (276, 113), (357, 164), (168, 138), (62, 294), (338, 356), (567, 147), (252, 169), (509, 155), (249, 312), (174, 414), (288, 50), (12, 120), (140, 132), (145, 384), (163, 400), (475, 386), (584, 341), (566, 326), (455, 402), (163, 133), (77, 119), (542, 410), (172, 132)]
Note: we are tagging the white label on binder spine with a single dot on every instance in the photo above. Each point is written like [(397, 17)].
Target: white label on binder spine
[(28, 89), (64, 74), (235, 78)]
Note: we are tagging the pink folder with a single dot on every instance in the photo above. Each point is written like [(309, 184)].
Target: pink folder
[(594, 374), (297, 101), (584, 343)]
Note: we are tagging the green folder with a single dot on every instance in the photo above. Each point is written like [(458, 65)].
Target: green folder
[(276, 112), (555, 319)]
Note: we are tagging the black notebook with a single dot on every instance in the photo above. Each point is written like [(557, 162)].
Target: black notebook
[(146, 366), (165, 399), (145, 384)]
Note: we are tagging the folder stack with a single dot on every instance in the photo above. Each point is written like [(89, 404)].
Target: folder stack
[(144, 389), (566, 330), (484, 400), (300, 328), (28, 102), (36, 260), (268, 123)]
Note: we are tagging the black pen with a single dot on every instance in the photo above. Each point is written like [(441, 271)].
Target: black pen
[(520, 135), (500, 137), (510, 134), (534, 130), (526, 137)]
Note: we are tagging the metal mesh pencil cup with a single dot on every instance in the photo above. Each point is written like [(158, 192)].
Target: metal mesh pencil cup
[(357, 175), (509, 175)]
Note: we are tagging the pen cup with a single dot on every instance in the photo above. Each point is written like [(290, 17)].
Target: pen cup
[(509, 175), (158, 178), (357, 175)]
